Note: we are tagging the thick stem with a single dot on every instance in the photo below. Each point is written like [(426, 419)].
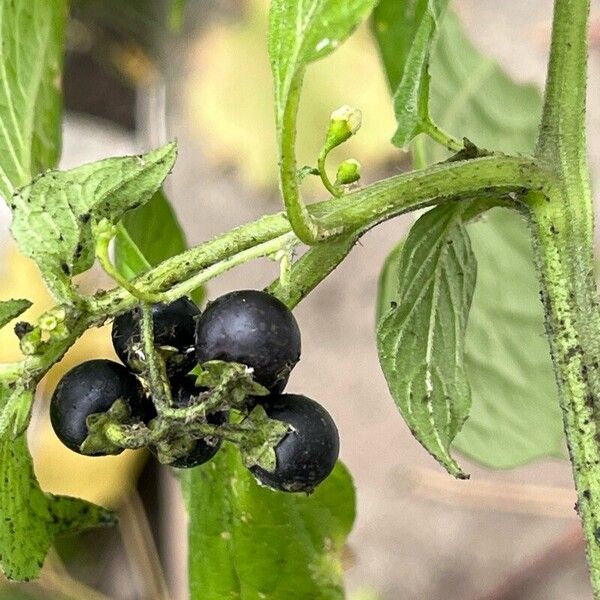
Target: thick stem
[(572, 323), (562, 227)]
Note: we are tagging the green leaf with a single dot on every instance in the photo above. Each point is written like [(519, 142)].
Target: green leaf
[(421, 339), (389, 282), (249, 542), (55, 216), (155, 230), (148, 235), (302, 32), (514, 416), (405, 32), (11, 309), (31, 519), (471, 96), (32, 33)]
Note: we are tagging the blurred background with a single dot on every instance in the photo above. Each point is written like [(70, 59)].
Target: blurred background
[(131, 82)]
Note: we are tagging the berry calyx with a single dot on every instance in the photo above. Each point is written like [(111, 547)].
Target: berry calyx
[(308, 453), (174, 325), (185, 393), (91, 388)]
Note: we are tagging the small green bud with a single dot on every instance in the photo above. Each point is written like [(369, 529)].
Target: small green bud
[(343, 124), (30, 343), (348, 172)]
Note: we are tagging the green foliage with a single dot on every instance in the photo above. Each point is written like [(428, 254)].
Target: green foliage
[(471, 96), (421, 338), (11, 309), (248, 542), (405, 32), (148, 235), (31, 519), (302, 32), (515, 415), (32, 33), (155, 230), (55, 217)]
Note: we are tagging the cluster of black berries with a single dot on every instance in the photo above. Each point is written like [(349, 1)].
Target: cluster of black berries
[(248, 327)]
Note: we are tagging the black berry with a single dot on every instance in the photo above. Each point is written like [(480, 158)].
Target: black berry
[(173, 329), (252, 328), (185, 393), (308, 453), (89, 388)]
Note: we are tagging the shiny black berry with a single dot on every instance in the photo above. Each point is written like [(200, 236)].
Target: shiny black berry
[(185, 393), (253, 328), (89, 388), (173, 329), (308, 453)]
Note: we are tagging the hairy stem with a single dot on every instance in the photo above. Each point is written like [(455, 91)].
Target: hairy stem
[(562, 227), (357, 211)]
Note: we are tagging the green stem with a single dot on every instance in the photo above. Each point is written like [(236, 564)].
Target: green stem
[(103, 256), (268, 248), (358, 211), (562, 227), (323, 173), (155, 366), (437, 134), (306, 226)]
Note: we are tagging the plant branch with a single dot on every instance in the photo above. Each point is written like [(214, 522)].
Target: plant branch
[(358, 211)]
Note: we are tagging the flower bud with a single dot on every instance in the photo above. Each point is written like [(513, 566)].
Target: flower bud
[(348, 172)]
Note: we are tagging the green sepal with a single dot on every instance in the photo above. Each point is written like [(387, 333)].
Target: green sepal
[(96, 442), (258, 449), (230, 383)]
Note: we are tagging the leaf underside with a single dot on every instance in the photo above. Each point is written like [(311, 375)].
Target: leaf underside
[(421, 337), (515, 416)]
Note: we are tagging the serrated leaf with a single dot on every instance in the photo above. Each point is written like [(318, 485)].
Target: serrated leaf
[(32, 33), (514, 415), (11, 309), (302, 31), (54, 216), (421, 339), (31, 519), (249, 542), (405, 32)]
